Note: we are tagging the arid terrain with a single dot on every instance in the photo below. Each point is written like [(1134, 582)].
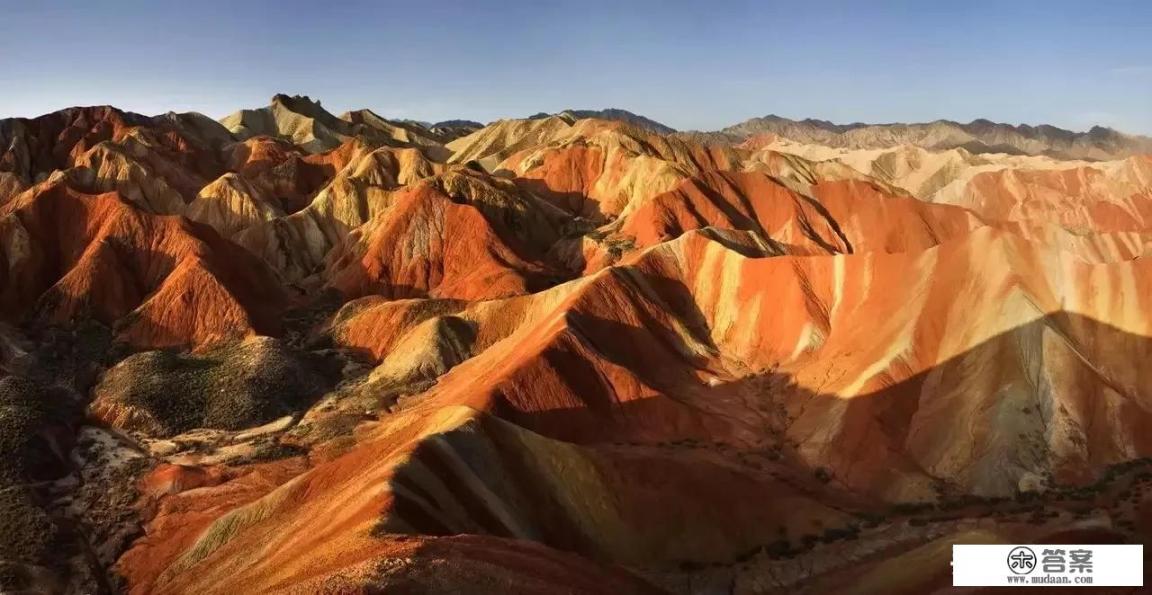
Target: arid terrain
[(297, 352)]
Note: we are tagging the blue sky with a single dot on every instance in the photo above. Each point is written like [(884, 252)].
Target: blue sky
[(702, 65)]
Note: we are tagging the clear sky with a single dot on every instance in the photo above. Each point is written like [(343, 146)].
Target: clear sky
[(703, 64)]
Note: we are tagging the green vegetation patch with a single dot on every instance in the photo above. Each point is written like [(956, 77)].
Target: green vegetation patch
[(231, 388)]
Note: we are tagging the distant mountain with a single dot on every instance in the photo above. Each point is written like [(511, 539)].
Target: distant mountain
[(978, 136), (453, 129), (618, 115), (446, 124), (458, 124)]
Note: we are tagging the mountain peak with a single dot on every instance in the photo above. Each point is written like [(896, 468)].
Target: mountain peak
[(1098, 130), (297, 103), (614, 114)]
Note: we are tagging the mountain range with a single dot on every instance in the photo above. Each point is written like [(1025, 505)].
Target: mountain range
[(290, 351), (977, 136)]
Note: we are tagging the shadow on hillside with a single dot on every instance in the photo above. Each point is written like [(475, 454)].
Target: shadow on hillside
[(761, 428), (573, 202), (1054, 401), (1063, 379)]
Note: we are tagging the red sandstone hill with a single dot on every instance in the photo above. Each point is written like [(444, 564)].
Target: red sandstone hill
[(159, 280), (838, 216), (427, 244), (554, 355)]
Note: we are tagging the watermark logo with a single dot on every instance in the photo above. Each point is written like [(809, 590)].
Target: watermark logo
[(1021, 560), (1037, 565)]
